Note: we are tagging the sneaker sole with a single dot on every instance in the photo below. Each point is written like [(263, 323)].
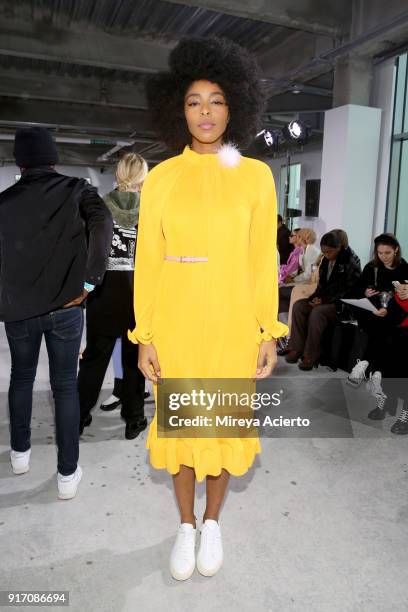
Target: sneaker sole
[(19, 471), (206, 572), (352, 382), (180, 577)]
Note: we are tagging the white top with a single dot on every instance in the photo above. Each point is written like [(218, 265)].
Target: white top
[(307, 259)]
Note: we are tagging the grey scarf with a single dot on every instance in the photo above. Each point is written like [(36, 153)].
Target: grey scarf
[(124, 206)]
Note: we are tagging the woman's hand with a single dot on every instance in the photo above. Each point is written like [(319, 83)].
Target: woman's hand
[(370, 292), (267, 359), (316, 302), (382, 312), (402, 291), (148, 362)]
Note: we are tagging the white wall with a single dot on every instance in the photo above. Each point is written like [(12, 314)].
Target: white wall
[(349, 173), (103, 182)]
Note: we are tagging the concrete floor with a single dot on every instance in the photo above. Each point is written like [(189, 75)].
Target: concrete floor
[(318, 525)]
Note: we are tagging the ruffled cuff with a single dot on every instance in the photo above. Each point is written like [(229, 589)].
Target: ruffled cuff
[(137, 337), (277, 331)]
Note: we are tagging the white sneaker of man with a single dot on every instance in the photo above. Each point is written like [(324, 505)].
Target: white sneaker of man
[(182, 558), (68, 485), (20, 461), (210, 555), (357, 374)]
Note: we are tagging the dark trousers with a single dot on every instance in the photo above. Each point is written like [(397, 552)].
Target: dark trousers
[(62, 330), (308, 325), (284, 298), (92, 370)]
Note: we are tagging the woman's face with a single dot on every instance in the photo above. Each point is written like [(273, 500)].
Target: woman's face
[(386, 254), (330, 253), (294, 238), (206, 113)]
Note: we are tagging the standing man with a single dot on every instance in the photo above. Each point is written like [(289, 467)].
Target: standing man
[(284, 246), (55, 234)]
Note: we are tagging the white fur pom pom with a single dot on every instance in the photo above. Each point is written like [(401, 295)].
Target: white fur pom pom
[(229, 155)]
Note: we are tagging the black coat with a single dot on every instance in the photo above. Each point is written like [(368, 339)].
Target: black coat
[(344, 279), (55, 233)]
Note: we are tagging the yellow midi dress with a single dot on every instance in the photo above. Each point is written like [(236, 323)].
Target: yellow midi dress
[(206, 319)]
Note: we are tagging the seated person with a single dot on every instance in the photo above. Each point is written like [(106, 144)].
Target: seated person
[(283, 243), (345, 242), (292, 265), (310, 256), (339, 275), (377, 279)]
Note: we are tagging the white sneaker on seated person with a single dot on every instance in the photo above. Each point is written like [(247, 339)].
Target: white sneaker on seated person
[(357, 374)]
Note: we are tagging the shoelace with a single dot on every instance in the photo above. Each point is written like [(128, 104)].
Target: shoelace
[(212, 537), (183, 544), (403, 417), (381, 399)]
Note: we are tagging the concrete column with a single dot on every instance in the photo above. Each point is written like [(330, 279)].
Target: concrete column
[(352, 81), (349, 173)]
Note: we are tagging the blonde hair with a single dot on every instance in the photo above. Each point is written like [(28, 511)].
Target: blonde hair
[(307, 235), (131, 171)]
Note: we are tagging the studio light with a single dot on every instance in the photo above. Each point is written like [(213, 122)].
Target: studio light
[(296, 130), (268, 140)]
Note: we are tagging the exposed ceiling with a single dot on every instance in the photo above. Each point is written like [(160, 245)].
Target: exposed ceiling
[(79, 66)]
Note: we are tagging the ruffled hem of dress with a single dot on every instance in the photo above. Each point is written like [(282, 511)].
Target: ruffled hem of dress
[(277, 331), (138, 338), (235, 455)]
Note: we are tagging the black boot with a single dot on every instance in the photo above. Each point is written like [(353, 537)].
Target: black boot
[(378, 414), (401, 424), (134, 428), (84, 422)]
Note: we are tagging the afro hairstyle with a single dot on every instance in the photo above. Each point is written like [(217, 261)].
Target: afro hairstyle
[(214, 59)]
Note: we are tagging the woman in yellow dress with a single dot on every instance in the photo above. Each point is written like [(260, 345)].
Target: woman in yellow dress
[(206, 268)]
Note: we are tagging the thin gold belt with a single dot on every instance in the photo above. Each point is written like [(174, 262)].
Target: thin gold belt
[(185, 258)]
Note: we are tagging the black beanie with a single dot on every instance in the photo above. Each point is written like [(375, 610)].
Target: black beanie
[(34, 147)]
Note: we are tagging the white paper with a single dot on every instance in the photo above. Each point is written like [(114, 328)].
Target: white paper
[(363, 303)]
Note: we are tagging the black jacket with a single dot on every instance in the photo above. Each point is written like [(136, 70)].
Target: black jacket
[(284, 246), (343, 281), (381, 277), (55, 233)]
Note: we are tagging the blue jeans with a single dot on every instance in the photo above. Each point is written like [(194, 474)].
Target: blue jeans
[(63, 331)]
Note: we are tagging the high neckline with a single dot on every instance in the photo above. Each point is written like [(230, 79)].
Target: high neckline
[(199, 158)]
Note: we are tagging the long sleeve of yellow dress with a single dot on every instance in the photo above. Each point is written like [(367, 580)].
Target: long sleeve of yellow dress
[(263, 256), (149, 260)]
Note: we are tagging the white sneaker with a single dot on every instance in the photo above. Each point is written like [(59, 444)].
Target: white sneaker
[(68, 485), (374, 386), (210, 555), (357, 374), (20, 461), (182, 558)]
